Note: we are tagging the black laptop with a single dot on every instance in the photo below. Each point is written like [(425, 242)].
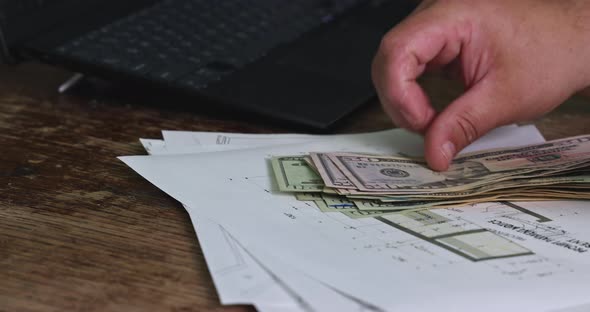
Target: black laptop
[(304, 62)]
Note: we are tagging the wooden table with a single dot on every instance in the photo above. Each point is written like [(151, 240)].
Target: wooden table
[(80, 231)]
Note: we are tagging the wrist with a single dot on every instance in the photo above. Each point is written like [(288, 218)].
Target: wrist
[(577, 24)]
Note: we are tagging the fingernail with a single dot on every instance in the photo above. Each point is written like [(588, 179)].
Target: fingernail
[(448, 150)]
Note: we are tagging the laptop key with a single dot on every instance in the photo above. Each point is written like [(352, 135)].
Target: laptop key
[(139, 68)]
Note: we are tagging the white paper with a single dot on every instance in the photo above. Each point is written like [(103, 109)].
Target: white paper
[(325, 251), (507, 136), (185, 142), (236, 275), (240, 280)]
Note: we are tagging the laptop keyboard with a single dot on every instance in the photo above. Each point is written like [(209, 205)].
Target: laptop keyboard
[(196, 42)]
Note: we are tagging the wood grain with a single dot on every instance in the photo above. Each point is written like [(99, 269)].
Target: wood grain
[(80, 231)]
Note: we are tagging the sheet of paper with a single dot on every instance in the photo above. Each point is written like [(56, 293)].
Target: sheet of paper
[(237, 276), (581, 308), (507, 136), (295, 235), (230, 289), (184, 142), (264, 285), (239, 279), (199, 142), (180, 139), (154, 146), (237, 226)]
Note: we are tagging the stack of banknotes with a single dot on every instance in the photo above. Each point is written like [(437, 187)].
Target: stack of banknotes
[(361, 185)]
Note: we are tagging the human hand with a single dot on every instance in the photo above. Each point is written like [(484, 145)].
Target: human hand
[(518, 60)]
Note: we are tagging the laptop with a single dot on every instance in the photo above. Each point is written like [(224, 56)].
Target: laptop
[(298, 62)]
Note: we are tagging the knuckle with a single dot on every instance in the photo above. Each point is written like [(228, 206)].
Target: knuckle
[(414, 126), (388, 44), (385, 42), (468, 125), (392, 99)]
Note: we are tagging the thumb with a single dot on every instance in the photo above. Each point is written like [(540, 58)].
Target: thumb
[(469, 117)]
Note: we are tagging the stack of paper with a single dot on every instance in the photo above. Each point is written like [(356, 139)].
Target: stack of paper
[(279, 254)]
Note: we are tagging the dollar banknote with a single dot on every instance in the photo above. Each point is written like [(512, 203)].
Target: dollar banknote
[(293, 174), (331, 175), (385, 174), (360, 185)]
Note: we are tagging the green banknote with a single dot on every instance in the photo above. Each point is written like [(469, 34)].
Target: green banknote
[(293, 174)]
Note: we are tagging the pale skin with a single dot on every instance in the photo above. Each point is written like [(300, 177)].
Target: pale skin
[(518, 60)]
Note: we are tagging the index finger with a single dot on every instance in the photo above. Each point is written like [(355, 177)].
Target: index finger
[(402, 57)]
